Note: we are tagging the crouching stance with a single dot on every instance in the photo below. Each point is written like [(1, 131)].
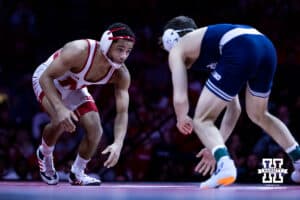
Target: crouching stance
[(61, 86)]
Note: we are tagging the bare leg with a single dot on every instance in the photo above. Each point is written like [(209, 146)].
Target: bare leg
[(208, 109), (257, 111), (91, 123), (256, 108), (51, 132), (44, 153)]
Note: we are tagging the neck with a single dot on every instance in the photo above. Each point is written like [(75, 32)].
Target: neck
[(113, 64)]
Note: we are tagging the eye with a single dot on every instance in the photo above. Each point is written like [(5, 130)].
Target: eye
[(128, 51)]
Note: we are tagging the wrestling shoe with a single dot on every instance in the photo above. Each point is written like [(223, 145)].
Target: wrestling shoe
[(295, 176), (47, 170), (82, 179), (225, 174)]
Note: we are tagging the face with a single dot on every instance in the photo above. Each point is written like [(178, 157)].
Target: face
[(120, 50)]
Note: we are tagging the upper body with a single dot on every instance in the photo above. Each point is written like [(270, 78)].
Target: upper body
[(81, 63), (203, 46)]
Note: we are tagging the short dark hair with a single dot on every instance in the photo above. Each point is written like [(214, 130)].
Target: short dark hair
[(180, 22), (121, 29)]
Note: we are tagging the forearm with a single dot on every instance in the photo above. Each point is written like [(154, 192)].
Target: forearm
[(50, 91), (181, 107), (120, 127)]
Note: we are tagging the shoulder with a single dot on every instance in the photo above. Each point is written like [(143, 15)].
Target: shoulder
[(75, 50), (76, 47), (123, 73), (189, 45), (122, 76)]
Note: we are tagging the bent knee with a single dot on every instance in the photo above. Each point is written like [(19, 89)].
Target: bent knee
[(257, 117), (197, 121)]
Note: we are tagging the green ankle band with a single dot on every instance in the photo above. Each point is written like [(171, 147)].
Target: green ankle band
[(295, 154), (219, 153)]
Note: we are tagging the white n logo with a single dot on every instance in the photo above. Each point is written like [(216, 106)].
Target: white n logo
[(272, 171)]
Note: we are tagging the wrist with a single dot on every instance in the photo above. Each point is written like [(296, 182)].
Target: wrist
[(181, 117), (119, 143), (58, 107)]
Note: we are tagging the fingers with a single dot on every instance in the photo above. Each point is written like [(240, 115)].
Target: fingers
[(199, 166), (74, 117), (206, 164), (69, 125), (212, 169), (185, 128), (206, 169), (200, 153), (112, 158), (105, 151)]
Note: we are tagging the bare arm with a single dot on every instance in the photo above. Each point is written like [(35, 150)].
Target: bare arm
[(122, 104), (179, 80), (121, 120), (69, 58)]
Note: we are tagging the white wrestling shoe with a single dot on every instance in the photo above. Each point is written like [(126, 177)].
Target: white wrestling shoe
[(47, 170), (225, 174), (295, 176), (82, 179)]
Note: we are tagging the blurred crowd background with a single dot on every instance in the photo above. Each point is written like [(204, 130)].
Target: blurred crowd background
[(154, 150)]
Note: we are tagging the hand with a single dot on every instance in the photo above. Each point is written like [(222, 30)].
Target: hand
[(207, 162), (65, 119), (114, 154), (185, 125)]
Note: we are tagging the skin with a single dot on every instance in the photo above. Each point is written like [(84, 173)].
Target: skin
[(72, 57), (209, 106)]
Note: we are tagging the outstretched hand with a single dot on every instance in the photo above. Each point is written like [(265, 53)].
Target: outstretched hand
[(207, 162), (114, 154)]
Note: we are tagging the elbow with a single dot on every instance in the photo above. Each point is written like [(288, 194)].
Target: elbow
[(42, 81)]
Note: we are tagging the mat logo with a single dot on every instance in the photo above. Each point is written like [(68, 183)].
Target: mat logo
[(272, 170)]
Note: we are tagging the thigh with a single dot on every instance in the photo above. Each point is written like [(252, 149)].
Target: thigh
[(209, 105), (260, 83), (91, 122)]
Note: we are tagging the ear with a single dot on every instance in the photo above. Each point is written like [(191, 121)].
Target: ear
[(169, 39), (105, 41)]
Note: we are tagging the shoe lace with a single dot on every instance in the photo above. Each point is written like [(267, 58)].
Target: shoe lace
[(81, 174), (219, 167)]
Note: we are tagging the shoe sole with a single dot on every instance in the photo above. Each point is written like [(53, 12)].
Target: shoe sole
[(221, 182), (89, 184), (79, 183), (226, 181)]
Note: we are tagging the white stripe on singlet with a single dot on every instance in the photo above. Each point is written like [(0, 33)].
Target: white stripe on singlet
[(235, 33)]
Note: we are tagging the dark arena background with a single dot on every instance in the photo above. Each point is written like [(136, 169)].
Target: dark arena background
[(157, 162)]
